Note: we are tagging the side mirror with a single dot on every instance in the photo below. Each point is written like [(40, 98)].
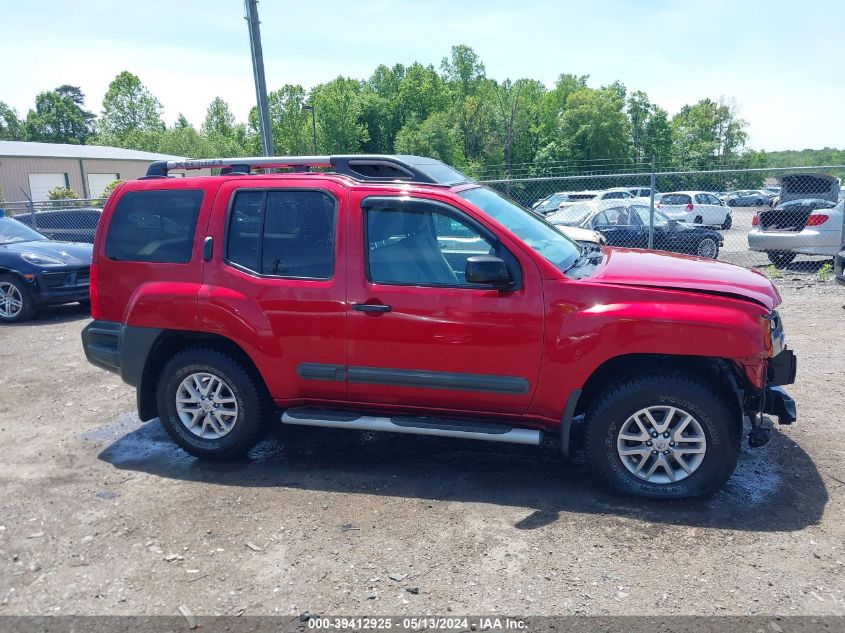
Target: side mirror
[(488, 270)]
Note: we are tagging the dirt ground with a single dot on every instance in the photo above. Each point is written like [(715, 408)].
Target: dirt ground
[(100, 514)]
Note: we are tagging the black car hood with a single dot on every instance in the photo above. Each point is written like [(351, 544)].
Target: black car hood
[(70, 253)]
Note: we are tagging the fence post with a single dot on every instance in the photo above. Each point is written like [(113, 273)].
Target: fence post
[(651, 208)]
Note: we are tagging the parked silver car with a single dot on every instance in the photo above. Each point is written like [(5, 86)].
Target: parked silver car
[(807, 220)]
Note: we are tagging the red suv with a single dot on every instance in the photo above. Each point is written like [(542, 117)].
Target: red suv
[(392, 293)]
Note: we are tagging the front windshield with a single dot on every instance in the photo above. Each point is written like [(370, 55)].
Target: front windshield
[(13, 231), (527, 226), (643, 212), (570, 216)]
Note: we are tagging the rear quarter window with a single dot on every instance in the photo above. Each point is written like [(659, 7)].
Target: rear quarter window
[(154, 226)]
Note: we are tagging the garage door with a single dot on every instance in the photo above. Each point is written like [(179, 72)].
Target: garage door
[(97, 183), (41, 184)]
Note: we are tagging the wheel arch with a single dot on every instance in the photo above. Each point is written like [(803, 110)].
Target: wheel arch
[(171, 342), (721, 373)]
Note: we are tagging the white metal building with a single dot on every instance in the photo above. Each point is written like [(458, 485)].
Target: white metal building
[(30, 170)]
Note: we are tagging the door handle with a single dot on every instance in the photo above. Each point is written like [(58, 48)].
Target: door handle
[(370, 307)]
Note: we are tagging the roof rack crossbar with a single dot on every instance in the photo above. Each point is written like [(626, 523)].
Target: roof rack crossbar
[(363, 167)]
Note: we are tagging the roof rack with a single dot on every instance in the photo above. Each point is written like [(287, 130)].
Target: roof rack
[(362, 167)]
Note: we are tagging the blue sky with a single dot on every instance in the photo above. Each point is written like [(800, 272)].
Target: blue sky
[(783, 67)]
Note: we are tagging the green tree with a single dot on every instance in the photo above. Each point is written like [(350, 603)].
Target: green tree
[(292, 134), (58, 117), (58, 194), (339, 107), (594, 126), (11, 127), (433, 137), (708, 133), (381, 110), (129, 107), (226, 136)]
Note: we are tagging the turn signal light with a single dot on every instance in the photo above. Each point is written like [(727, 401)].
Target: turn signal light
[(93, 292), (816, 218), (755, 220)]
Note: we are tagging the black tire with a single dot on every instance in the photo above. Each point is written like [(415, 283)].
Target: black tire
[(252, 405), (28, 307), (728, 223), (722, 431), (780, 259), (731, 203)]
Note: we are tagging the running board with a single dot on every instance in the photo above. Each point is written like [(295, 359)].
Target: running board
[(442, 427)]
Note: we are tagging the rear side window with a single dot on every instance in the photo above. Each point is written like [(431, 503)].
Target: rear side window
[(283, 233), (154, 226)]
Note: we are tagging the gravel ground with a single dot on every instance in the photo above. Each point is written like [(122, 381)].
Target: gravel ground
[(100, 514)]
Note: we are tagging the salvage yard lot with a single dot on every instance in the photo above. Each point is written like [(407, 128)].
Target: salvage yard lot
[(100, 514)]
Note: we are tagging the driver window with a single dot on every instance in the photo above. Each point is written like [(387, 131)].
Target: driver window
[(422, 247)]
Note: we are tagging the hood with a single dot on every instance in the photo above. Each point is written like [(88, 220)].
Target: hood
[(70, 253), (819, 186), (683, 272)]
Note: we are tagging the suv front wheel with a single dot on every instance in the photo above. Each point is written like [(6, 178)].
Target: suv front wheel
[(663, 435), (209, 404)]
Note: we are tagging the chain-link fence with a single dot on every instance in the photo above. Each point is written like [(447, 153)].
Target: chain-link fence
[(65, 220), (789, 218)]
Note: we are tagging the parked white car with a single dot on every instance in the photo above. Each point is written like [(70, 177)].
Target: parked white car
[(807, 220), (577, 197), (696, 207)]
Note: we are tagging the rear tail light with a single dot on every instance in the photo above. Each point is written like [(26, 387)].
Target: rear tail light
[(93, 292), (816, 218), (690, 207), (755, 220)]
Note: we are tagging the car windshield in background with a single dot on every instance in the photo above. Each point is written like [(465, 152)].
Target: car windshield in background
[(571, 216), (660, 218), (675, 198), (13, 231), (527, 226)]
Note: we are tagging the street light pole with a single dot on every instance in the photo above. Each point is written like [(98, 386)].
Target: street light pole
[(251, 7), (308, 106)]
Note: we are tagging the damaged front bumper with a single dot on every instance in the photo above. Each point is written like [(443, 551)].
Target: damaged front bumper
[(780, 370)]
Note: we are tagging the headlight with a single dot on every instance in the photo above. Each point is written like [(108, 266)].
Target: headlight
[(41, 260)]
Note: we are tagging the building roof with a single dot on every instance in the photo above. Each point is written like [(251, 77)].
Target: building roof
[(60, 150)]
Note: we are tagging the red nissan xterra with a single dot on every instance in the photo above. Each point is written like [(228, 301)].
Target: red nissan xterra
[(392, 293)]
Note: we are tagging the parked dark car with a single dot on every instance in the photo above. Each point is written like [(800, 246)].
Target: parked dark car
[(839, 265), (68, 225), (36, 271), (627, 225), (748, 198)]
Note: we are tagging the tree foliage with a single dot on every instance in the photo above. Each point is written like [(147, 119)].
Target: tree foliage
[(455, 112)]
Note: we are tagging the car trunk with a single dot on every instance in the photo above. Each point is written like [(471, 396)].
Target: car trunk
[(800, 195), (791, 218)]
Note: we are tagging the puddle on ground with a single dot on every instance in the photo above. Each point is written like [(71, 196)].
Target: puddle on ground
[(755, 479), (130, 441)]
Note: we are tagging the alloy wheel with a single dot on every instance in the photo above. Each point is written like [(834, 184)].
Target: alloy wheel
[(11, 301), (661, 444), (206, 405)]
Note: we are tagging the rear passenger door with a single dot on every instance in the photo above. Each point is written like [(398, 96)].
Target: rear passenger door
[(275, 283)]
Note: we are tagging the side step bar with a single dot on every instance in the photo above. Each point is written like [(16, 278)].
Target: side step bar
[(442, 427)]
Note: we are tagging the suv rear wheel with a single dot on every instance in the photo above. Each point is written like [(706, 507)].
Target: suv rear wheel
[(663, 435), (209, 404)]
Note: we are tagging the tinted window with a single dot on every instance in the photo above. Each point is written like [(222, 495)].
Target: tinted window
[(283, 233), (420, 246), (154, 226), (675, 198)]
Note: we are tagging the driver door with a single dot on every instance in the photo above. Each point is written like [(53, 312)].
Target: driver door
[(419, 335)]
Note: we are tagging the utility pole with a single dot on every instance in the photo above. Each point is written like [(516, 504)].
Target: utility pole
[(251, 7), (306, 107)]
